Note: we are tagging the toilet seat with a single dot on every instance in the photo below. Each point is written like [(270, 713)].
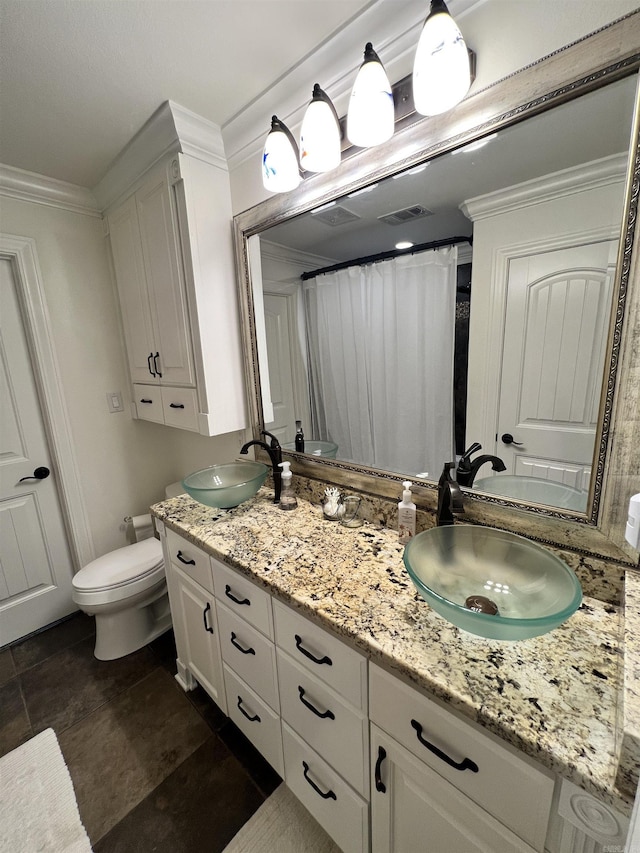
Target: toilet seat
[(120, 574)]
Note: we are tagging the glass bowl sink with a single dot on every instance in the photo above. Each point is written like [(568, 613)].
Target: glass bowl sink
[(490, 582), (534, 490), (327, 449), (226, 486)]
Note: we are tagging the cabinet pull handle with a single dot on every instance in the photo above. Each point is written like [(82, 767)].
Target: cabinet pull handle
[(228, 593), (326, 795), (186, 562), (234, 642), (176, 405), (254, 719), (380, 786), (204, 616), (307, 654), (149, 357), (155, 364), (324, 715), (465, 764), (143, 400)]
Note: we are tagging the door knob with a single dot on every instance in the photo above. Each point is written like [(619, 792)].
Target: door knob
[(39, 474), (507, 438)]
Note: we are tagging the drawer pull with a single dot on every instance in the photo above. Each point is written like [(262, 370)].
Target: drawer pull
[(204, 616), (176, 405), (465, 764), (254, 719), (229, 594), (326, 795), (307, 654), (380, 786), (234, 642), (146, 401), (186, 562), (324, 715)]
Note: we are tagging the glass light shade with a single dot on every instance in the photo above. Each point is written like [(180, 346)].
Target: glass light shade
[(441, 69), (320, 134), (370, 119), (280, 171)]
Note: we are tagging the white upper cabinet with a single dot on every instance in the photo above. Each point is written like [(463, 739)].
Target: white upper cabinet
[(170, 231)]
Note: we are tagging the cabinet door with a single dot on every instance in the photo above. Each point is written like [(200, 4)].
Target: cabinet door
[(160, 244), (412, 808), (128, 262), (200, 627)]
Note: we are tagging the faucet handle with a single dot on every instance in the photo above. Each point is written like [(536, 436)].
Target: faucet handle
[(274, 439)]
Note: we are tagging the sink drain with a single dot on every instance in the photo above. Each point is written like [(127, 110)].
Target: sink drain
[(481, 604)]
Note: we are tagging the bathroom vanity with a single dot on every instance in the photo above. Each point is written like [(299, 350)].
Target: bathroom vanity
[(387, 722)]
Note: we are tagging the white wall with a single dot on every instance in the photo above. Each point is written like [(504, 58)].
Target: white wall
[(124, 464), (506, 35)]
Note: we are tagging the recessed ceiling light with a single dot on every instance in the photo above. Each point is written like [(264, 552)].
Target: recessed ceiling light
[(363, 191), (415, 171), (404, 244), (474, 146)]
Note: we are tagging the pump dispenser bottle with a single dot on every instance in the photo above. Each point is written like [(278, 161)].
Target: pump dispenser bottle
[(287, 496), (406, 515)]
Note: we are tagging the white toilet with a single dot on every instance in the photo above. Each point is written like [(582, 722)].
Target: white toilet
[(126, 590)]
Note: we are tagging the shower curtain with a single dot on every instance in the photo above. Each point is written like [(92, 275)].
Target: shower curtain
[(380, 347)]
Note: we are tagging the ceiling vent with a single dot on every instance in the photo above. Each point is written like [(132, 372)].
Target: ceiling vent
[(399, 217), (335, 215)]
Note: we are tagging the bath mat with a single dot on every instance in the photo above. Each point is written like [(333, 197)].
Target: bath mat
[(282, 823), (38, 809)]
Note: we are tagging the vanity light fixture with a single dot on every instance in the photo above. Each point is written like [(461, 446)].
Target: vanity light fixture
[(370, 117), (320, 134), (442, 67), (280, 169)]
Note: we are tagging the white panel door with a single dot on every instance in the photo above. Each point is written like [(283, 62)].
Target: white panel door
[(277, 329), (557, 317), (35, 563)]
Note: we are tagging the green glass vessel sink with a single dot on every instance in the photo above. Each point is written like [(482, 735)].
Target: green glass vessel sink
[(327, 449), (534, 490), (490, 582), (226, 486)]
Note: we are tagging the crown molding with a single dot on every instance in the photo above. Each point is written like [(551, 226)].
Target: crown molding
[(171, 129), (39, 189), (567, 182)]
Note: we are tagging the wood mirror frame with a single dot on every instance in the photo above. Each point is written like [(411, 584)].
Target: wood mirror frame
[(606, 55)]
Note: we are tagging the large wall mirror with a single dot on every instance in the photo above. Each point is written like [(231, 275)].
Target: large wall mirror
[(494, 338)]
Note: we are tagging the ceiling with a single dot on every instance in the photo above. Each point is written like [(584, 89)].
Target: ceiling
[(80, 77)]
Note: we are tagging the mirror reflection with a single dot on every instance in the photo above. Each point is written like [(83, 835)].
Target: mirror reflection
[(486, 339)]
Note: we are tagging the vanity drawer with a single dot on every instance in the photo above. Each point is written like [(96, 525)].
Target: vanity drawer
[(180, 408), (190, 559), (243, 597), (250, 654), (148, 402), (326, 657), (338, 732), (507, 785), (255, 718), (340, 811)]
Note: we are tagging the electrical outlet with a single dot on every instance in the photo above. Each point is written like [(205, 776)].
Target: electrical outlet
[(114, 401)]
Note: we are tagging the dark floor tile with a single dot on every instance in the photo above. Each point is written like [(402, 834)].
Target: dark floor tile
[(207, 708), (122, 751), (7, 667), (41, 646), (15, 727), (262, 773), (67, 686), (164, 647), (199, 807)]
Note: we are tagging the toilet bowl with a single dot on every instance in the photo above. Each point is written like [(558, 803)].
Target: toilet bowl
[(126, 591)]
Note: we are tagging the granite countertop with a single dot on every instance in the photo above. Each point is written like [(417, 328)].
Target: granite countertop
[(555, 697)]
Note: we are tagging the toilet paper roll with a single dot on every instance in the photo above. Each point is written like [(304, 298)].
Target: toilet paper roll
[(141, 527)]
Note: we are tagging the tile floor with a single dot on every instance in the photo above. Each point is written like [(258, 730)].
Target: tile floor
[(154, 768)]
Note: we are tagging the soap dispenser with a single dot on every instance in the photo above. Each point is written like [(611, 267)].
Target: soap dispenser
[(406, 515), (287, 496), (299, 440)]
